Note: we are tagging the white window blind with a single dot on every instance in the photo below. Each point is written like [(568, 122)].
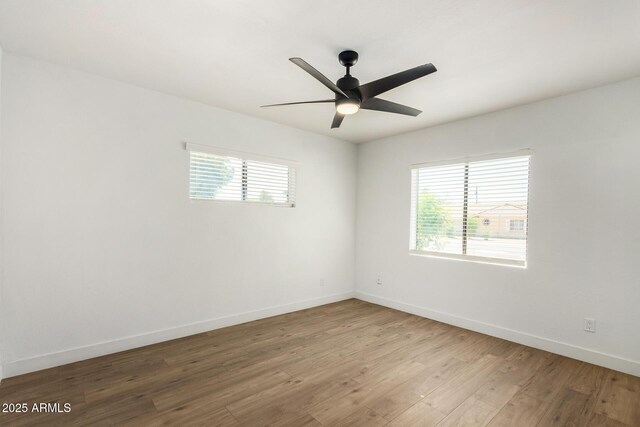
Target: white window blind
[(475, 210), (229, 178)]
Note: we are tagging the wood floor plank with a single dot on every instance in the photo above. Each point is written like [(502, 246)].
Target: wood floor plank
[(599, 420), (220, 417), (551, 377), (472, 412), (466, 382), (349, 363), (498, 390), (619, 398), (282, 402), (569, 408), (405, 395), (588, 379), (419, 415), (517, 370), (395, 402), (364, 417), (216, 392), (304, 421), (522, 411), (342, 405), (168, 379)]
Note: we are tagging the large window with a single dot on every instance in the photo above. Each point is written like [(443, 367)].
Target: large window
[(474, 210), (216, 175)]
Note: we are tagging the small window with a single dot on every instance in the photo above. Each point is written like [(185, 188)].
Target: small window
[(472, 210), (516, 225), (238, 178)]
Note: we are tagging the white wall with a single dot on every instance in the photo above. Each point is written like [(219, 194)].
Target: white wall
[(2, 321), (584, 239), (103, 248)]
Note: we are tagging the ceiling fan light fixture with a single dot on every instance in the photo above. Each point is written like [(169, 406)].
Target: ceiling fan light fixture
[(347, 106)]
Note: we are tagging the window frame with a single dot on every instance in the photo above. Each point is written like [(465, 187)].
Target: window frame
[(244, 157), (465, 257)]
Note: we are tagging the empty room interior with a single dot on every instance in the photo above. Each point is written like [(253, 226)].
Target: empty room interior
[(306, 213)]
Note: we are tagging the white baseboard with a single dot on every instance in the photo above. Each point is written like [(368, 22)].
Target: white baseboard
[(50, 360), (610, 361)]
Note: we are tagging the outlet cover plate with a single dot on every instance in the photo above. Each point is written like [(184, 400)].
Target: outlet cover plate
[(589, 324)]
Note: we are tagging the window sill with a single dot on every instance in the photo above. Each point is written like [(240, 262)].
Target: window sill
[(471, 258), (244, 202)]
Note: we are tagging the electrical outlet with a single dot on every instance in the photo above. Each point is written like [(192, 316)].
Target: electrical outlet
[(322, 282), (379, 279), (589, 324)]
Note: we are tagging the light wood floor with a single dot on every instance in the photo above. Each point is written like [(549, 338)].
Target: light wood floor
[(344, 364)]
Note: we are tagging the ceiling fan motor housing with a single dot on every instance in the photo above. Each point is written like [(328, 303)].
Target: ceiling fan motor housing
[(349, 85)]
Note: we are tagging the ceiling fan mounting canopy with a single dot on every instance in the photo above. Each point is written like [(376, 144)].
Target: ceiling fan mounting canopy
[(348, 58), (351, 96)]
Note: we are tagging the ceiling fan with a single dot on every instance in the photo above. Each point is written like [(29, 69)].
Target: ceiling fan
[(351, 96)]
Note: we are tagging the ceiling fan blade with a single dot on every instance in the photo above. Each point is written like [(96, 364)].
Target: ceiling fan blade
[(318, 75), (388, 107), (384, 84), (337, 120), (302, 102)]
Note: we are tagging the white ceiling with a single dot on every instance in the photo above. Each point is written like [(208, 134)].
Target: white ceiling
[(490, 54)]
